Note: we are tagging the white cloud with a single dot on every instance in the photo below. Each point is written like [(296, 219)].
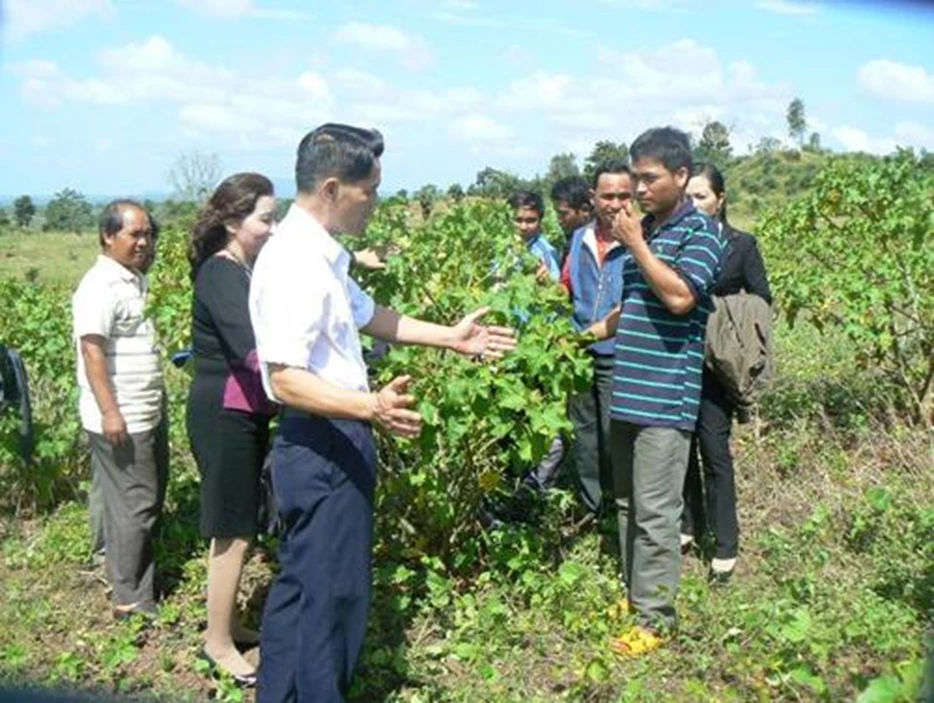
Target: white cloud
[(788, 7), (683, 83), (212, 118), (38, 69), (356, 80), (24, 17), (538, 90), (235, 9), (213, 102), (464, 12), (472, 20), (587, 121), (549, 24), (152, 55), (277, 13), (460, 5), (219, 8), (906, 134), (413, 51), (209, 99), (897, 81), (314, 85), (373, 36), (856, 139), (517, 55), (373, 102), (479, 128), (654, 5), (914, 134)]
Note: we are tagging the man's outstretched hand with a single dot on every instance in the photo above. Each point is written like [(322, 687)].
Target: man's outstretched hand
[(390, 409), (470, 338)]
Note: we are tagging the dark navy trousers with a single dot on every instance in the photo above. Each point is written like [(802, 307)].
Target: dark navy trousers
[(324, 476)]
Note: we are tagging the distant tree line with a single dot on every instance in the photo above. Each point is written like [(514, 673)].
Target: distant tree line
[(192, 177), (770, 169), (713, 145)]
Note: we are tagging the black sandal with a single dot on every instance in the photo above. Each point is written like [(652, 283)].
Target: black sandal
[(242, 680)]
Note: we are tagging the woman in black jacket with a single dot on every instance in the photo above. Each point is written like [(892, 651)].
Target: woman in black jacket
[(742, 269)]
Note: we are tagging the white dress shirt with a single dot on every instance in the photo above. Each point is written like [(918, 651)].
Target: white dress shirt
[(304, 306)]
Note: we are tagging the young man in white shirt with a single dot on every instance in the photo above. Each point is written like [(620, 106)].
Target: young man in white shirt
[(122, 401), (306, 312)]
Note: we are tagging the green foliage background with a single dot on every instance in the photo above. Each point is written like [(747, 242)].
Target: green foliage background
[(836, 584)]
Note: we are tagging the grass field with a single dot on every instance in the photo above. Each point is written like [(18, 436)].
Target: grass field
[(49, 257)]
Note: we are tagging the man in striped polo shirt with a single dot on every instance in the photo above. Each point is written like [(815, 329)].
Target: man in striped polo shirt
[(122, 402), (672, 258)]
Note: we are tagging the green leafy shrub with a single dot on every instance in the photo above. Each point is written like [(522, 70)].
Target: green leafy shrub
[(171, 290), (484, 424), (855, 254), (37, 322)]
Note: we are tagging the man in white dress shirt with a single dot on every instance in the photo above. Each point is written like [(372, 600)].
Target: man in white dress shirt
[(306, 312)]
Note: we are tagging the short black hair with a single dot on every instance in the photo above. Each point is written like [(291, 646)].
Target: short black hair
[(529, 199), (669, 146), (111, 219), (573, 191), (339, 150), (614, 166)]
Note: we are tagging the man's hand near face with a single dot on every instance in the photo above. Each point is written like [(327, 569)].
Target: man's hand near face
[(627, 227)]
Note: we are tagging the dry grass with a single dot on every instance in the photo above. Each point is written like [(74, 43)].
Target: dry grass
[(50, 257)]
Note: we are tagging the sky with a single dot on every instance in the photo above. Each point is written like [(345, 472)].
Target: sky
[(105, 95)]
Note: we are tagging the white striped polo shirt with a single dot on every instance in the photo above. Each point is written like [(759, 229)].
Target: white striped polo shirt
[(111, 302)]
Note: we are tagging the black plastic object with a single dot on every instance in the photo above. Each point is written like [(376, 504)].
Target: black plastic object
[(14, 393)]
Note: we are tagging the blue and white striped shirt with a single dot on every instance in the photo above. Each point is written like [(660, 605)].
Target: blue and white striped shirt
[(659, 356)]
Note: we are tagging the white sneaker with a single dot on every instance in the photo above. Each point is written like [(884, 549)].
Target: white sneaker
[(686, 540), (723, 566)]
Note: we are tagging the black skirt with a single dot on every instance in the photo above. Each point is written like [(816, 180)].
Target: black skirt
[(229, 447)]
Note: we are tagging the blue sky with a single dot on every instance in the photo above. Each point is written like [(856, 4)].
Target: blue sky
[(104, 95)]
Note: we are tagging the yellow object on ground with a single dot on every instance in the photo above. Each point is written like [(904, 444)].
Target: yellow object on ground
[(637, 641)]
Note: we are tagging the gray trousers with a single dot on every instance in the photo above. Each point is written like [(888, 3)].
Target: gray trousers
[(132, 481), (590, 413), (649, 464), (543, 476), (96, 512)]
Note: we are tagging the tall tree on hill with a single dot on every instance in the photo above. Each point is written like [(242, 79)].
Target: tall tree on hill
[(23, 211), (603, 152), (68, 211), (714, 145), (797, 122), (814, 142)]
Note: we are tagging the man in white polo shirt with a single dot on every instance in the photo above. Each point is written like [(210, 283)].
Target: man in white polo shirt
[(306, 312), (122, 400)]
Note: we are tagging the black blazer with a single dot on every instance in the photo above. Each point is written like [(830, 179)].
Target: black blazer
[(742, 267)]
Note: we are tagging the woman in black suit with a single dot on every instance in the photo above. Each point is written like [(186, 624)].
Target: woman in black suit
[(742, 269)]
